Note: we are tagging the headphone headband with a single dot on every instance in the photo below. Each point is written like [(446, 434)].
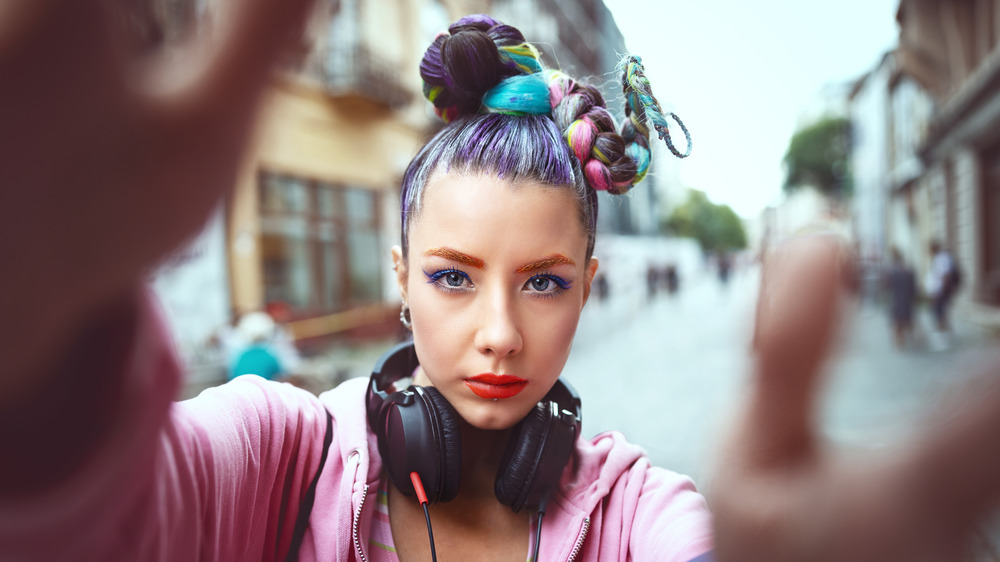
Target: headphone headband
[(398, 362)]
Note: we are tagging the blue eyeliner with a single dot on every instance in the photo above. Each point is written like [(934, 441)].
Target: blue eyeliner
[(433, 277), (563, 284)]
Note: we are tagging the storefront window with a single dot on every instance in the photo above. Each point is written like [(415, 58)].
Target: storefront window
[(320, 245)]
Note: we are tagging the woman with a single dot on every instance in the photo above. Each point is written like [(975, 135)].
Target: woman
[(494, 268), (499, 215), (99, 464)]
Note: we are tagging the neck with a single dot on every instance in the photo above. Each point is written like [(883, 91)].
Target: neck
[(482, 451)]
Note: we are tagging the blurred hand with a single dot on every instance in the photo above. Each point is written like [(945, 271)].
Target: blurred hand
[(780, 493), (109, 162)]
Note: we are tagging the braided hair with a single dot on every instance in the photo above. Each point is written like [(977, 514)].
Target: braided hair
[(509, 116)]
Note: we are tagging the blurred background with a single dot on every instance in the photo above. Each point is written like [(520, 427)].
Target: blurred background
[(878, 120)]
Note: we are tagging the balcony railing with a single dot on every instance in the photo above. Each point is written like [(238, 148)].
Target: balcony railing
[(356, 70)]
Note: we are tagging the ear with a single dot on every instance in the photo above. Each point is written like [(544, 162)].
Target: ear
[(399, 266), (588, 279)]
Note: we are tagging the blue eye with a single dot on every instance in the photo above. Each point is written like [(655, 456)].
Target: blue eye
[(547, 284), (449, 279)]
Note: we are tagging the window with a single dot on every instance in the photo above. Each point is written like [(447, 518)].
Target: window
[(320, 244), (989, 207)]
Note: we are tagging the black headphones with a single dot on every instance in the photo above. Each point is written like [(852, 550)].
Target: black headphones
[(418, 431)]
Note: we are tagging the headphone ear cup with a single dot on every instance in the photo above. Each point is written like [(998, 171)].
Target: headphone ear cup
[(450, 444), (519, 468)]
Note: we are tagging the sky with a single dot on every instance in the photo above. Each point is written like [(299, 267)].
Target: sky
[(740, 74)]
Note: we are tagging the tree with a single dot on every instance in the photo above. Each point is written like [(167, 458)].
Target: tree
[(818, 156), (715, 227)]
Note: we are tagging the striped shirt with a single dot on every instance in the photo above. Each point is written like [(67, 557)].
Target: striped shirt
[(380, 545)]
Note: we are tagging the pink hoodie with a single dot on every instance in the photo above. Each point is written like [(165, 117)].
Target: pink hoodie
[(223, 477)]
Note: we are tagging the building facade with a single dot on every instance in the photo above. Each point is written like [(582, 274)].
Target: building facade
[(870, 134), (893, 205), (308, 231), (315, 211), (951, 51)]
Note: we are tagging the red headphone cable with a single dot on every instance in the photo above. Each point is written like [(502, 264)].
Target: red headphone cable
[(418, 487)]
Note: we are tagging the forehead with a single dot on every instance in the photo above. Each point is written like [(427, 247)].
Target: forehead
[(481, 213)]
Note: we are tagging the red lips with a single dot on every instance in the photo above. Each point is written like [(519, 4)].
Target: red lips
[(492, 387)]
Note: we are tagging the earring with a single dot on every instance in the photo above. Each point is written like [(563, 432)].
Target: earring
[(404, 317)]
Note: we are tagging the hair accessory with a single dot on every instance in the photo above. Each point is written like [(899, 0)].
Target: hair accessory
[(524, 94), (524, 57), (404, 317), (641, 104)]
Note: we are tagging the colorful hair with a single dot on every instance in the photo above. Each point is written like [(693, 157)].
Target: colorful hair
[(510, 117)]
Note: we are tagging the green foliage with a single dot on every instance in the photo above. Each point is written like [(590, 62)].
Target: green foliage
[(715, 227), (818, 155)]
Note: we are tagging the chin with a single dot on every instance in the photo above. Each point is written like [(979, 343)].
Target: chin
[(495, 416)]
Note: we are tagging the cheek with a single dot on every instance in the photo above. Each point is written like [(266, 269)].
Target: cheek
[(550, 335), (439, 326)]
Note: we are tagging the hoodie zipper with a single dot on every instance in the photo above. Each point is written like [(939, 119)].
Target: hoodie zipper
[(579, 541), (357, 521)]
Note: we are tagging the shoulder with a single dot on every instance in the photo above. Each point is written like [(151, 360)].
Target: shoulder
[(251, 415), (610, 464), (656, 513), (346, 404), (266, 398)]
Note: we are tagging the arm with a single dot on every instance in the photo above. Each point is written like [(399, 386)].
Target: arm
[(780, 493), (108, 168), (218, 477)]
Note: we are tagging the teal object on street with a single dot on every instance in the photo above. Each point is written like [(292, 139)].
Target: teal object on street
[(257, 360)]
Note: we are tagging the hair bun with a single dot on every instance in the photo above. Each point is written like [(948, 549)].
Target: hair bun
[(460, 66)]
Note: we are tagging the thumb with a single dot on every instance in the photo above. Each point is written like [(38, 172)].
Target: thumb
[(797, 314)]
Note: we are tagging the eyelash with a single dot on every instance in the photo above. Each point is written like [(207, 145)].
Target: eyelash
[(436, 277), (561, 285)]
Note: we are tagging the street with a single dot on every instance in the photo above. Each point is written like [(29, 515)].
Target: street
[(667, 370)]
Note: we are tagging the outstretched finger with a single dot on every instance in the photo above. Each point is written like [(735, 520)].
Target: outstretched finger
[(21, 19), (233, 61), (199, 105), (798, 312), (955, 466)]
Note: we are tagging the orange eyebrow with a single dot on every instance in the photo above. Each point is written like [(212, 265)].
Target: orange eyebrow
[(455, 255), (556, 259)]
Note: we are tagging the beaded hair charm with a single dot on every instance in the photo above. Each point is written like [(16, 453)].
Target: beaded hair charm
[(640, 103)]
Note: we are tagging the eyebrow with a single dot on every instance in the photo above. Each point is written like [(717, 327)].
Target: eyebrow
[(455, 255), (553, 260)]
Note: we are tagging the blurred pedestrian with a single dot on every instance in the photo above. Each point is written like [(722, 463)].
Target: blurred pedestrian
[(672, 279), (601, 286), (652, 280), (260, 350), (941, 283), (901, 285), (724, 263)]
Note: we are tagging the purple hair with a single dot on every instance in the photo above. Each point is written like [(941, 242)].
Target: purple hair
[(509, 117), (515, 148)]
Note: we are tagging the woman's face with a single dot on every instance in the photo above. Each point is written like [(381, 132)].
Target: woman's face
[(496, 278)]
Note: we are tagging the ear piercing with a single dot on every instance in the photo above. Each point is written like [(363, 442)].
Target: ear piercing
[(404, 317)]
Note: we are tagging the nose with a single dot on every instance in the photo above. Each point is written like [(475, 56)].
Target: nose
[(499, 331)]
